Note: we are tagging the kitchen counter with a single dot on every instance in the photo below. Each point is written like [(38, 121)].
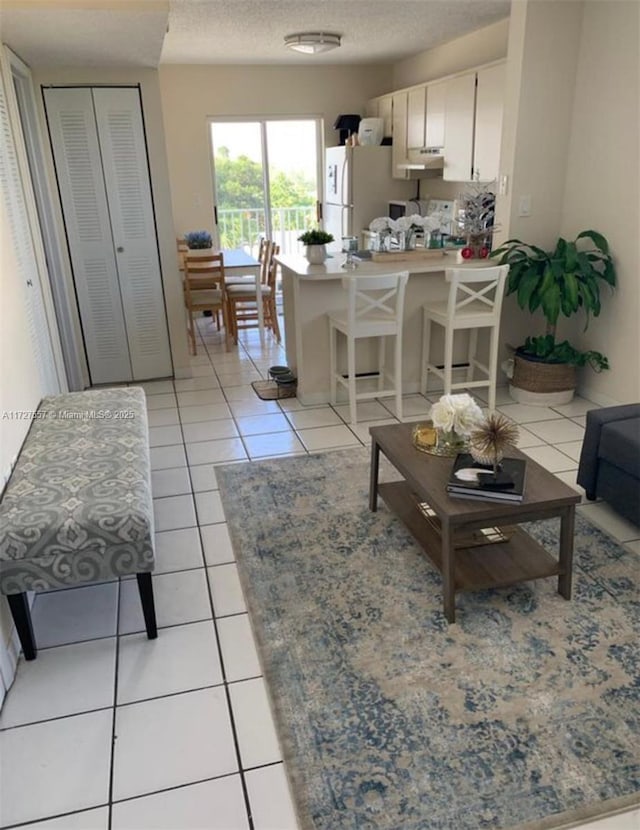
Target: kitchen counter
[(311, 292)]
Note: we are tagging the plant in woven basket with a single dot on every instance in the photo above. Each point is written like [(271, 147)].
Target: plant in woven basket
[(559, 282), (490, 439)]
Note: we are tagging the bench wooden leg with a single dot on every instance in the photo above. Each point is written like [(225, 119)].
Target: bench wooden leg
[(148, 607), (19, 605)]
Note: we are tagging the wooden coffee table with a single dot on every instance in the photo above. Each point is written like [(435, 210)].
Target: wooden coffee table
[(457, 534)]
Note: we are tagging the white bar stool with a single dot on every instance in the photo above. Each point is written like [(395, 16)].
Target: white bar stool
[(475, 302), (375, 309)]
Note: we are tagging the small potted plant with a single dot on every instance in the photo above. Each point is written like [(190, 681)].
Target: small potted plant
[(198, 240), (315, 241), (561, 281)]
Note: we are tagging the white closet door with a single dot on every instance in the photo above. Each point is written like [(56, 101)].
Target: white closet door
[(126, 174), (22, 241), (80, 179)]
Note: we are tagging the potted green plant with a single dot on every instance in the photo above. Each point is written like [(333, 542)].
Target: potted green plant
[(558, 282), (315, 241), (198, 240)]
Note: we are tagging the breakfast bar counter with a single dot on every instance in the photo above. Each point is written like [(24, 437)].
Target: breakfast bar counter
[(310, 292)]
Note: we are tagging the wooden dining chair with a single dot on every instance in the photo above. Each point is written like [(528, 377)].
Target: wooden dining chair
[(183, 249), (242, 299), (205, 290)]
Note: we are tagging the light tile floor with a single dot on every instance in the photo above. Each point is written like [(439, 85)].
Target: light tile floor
[(107, 730)]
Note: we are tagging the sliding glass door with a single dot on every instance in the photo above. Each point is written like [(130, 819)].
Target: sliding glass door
[(265, 181)]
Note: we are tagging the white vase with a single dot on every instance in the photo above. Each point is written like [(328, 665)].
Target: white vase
[(316, 254)]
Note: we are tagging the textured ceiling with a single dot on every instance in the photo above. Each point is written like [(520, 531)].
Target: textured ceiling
[(120, 33), (90, 33), (373, 31)]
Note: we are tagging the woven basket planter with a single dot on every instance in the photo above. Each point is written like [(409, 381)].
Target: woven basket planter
[(537, 376)]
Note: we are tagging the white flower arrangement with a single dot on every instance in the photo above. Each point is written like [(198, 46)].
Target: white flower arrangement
[(458, 413), (429, 224), (380, 224), (403, 223)]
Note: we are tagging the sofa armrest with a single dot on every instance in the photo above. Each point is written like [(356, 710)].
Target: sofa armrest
[(596, 420)]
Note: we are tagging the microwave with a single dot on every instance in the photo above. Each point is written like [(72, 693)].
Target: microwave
[(408, 208)]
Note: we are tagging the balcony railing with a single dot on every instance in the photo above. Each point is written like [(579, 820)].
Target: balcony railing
[(241, 228)]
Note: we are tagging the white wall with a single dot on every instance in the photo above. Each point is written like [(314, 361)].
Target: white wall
[(602, 186), (192, 94), (482, 46), (152, 110), (570, 142)]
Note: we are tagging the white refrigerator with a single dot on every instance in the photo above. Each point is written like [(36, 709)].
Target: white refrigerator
[(358, 186)]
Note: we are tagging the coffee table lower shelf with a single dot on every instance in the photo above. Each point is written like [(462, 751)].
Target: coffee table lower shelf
[(496, 565)]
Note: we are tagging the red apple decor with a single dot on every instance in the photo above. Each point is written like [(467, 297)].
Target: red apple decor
[(477, 253)]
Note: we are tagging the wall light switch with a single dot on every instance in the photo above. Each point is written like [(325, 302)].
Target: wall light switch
[(524, 206)]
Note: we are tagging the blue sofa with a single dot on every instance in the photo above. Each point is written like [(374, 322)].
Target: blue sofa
[(609, 466)]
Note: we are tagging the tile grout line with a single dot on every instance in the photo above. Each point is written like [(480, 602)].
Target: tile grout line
[(242, 770), (232, 723)]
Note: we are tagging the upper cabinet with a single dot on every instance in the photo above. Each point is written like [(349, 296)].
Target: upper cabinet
[(461, 114), (460, 98), (474, 105), (488, 123), (385, 111), (434, 126), (399, 148), (416, 113)]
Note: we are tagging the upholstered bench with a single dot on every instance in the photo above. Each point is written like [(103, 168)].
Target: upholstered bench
[(78, 505)]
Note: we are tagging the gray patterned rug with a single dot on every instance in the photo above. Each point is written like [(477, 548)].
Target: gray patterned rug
[(525, 711)]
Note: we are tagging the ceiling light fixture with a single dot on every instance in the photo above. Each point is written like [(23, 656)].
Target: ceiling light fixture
[(312, 43)]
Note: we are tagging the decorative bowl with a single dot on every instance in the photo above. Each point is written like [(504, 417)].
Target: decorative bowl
[(424, 436)]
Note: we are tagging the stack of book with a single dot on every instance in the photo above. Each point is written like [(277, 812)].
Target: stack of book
[(470, 480)]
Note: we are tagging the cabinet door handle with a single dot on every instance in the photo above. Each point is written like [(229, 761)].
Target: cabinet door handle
[(120, 249)]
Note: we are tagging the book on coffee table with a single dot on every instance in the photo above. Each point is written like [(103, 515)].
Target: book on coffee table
[(470, 480)]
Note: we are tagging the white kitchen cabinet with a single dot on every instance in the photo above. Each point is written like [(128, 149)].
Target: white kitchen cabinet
[(385, 111), (458, 128), (416, 103), (399, 147), (434, 119), (488, 123)]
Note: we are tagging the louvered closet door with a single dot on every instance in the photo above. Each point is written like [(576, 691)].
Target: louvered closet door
[(18, 220), (76, 153), (126, 174)]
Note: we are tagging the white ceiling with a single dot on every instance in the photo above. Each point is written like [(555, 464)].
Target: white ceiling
[(373, 31), (68, 33), (124, 33)]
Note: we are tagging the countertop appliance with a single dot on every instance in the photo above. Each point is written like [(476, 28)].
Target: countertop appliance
[(357, 188), (371, 131)]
